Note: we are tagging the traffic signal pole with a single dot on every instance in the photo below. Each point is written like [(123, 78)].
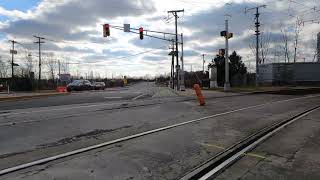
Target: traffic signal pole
[(227, 83)]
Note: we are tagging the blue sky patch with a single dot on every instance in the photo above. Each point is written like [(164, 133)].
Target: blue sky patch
[(21, 5)]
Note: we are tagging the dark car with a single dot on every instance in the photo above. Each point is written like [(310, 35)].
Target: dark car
[(79, 85), (99, 85)]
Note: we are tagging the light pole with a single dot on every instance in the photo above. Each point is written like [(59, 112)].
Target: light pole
[(227, 83)]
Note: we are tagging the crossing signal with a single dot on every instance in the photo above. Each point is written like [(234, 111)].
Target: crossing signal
[(141, 33), (106, 30)]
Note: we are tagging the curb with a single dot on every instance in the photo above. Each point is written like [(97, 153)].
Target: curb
[(293, 91), (30, 96)]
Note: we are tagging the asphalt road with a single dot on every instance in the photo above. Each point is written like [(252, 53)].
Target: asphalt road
[(140, 90), (30, 134)]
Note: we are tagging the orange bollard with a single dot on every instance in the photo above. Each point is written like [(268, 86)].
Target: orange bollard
[(61, 89), (199, 94)]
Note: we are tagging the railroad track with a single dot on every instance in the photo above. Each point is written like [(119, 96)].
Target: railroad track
[(213, 166), (127, 138)]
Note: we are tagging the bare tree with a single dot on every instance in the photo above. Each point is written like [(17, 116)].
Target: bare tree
[(316, 50), (297, 34), (64, 66), (264, 46), (29, 64), (3, 68), (51, 65), (285, 39)]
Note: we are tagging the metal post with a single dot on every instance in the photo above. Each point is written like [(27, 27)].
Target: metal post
[(227, 83)]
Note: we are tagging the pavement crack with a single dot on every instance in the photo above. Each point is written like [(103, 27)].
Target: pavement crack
[(91, 134)]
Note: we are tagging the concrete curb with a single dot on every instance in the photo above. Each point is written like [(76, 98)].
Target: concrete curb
[(13, 98), (292, 91)]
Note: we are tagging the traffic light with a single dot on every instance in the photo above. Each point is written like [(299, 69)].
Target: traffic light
[(141, 33), (106, 30), (222, 52), (223, 33)]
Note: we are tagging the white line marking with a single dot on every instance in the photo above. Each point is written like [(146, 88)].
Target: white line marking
[(63, 108), (137, 97), (70, 153), (113, 97)]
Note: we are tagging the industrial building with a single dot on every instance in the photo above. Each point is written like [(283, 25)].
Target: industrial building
[(304, 73), (318, 47)]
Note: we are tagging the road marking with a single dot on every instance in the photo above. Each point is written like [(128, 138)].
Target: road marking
[(113, 97), (137, 97), (223, 148), (89, 148), (63, 108)]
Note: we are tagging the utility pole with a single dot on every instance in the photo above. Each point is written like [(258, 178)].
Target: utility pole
[(174, 12), (203, 61), (182, 87), (172, 53), (12, 57), (39, 42), (227, 83), (257, 25)]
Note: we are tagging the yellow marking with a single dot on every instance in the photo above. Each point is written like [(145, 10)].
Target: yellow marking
[(246, 154)]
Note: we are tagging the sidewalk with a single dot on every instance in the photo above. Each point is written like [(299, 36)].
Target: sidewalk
[(27, 95)]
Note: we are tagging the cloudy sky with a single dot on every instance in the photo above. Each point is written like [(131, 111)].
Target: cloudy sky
[(73, 31)]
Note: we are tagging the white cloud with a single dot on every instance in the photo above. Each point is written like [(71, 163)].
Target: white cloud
[(75, 27)]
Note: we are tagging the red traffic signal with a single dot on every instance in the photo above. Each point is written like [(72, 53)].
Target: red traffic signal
[(141, 33), (106, 30)]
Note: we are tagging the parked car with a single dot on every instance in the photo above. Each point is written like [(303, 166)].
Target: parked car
[(79, 85), (99, 85)]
